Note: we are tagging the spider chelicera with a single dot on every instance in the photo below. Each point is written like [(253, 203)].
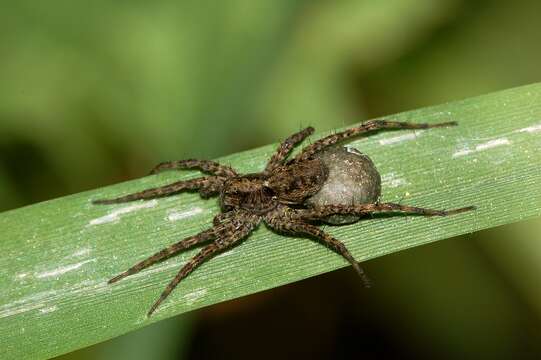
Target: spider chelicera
[(276, 196)]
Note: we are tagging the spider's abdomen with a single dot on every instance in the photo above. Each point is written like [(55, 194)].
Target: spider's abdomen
[(353, 179), (293, 183)]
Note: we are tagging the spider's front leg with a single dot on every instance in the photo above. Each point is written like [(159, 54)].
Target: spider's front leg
[(369, 126), (228, 233), (286, 221), (207, 166), (207, 185), (320, 212)]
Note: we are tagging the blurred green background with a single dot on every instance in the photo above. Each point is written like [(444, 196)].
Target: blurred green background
[(94, 93)]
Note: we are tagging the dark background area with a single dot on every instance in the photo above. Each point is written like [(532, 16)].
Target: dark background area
[(94, 93)]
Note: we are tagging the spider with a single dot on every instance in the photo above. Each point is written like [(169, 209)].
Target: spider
[(276, 196)]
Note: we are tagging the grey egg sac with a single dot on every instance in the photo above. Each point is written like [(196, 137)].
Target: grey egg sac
[(353, 179)]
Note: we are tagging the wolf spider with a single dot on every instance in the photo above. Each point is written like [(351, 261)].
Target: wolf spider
[(275, 196)]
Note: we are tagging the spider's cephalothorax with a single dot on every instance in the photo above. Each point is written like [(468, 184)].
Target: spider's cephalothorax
[(248, 192), (277, 197)]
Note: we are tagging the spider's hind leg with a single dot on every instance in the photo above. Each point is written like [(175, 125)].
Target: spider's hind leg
[(296, 227), (207, 184), (320, 212)]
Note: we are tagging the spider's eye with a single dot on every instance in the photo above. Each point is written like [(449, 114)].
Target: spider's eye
[(235, 193), (268, 191)]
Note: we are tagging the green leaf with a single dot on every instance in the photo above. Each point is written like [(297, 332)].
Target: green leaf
[(57, 256)]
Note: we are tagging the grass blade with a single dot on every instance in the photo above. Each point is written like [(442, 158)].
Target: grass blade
[(57, 256)]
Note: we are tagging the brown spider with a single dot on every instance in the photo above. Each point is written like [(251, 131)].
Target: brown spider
[(275, 196)]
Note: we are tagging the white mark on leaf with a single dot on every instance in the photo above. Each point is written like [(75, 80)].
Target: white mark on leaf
[(491, 144), (44, 300), (115, 214), (62, 269), (81, 252), (176, 215), (48, 309), (400, 138), (392, 180), (25, 304), (225, 253), (21, 276), (19, 309), (484, 146), (194, 296), (530, 129)]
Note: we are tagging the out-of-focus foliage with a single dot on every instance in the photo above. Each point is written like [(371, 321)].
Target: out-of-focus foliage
[(97, 89), (97, 92)]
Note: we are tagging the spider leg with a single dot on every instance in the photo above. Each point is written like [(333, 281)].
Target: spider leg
[(166, 253), (207, 166), (206, 253), (320, 212), (291, 226), (229, 233), (208, 184), (368, 126), (285, 148)]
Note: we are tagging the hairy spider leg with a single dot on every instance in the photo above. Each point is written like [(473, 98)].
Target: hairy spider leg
[(299, 228), (320, 212), (285, 148), (373, 125), (233, 231), (206, 166), (166, 253), (206, 253), (207, 183)]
